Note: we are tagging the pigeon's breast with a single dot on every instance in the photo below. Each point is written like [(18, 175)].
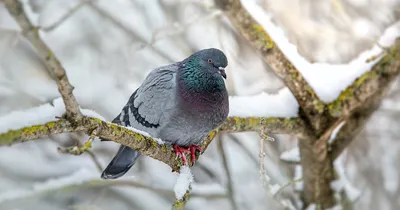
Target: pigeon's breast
[(196, 118)]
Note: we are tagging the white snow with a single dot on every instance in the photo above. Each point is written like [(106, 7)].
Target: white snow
[(38, 115), (274, 188), (33, 116), (335, 132), (159, 141), (282, 104), (46, 113), (292, 155), (312, 207), (298, 174), (352, 192), (327, 80), (390, 173), (183, 182)]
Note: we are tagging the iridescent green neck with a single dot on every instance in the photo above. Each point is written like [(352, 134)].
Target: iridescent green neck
[(194, 79)]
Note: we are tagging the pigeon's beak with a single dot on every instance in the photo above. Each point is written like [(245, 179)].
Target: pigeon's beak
[(221, 71)]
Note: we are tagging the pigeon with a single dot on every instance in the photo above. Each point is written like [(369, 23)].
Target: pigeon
[(180, 103)]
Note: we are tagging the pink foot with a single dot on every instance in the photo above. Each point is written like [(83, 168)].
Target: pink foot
[(193, 149), (181, 151)]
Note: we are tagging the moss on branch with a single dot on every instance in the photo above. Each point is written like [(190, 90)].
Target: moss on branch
[(146, 145), (367, 84)]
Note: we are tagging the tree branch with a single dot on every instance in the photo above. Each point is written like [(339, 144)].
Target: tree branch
[(146, 145), (31, 33), (371, 84), (67, 15), (372, 90), (310, 105), (355, 106)]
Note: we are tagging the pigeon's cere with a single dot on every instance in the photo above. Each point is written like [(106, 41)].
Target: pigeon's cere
[(180, 103)]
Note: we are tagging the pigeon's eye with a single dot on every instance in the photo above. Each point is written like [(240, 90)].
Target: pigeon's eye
[(209, 61)]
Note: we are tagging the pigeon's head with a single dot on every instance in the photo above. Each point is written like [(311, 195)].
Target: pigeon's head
[(212, 60)]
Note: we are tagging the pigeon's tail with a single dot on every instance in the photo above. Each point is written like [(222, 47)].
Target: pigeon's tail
[(121, 163)]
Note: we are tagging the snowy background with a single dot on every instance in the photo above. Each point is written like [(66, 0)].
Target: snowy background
[(108, 48)]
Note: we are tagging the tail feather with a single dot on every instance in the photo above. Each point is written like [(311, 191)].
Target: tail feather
[(121, 163)]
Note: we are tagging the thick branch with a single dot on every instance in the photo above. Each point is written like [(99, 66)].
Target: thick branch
[(146, 145), (361, 115), (364, 95), (31, 33), (362, 99), (317, 174), (371, 84), (348, 133), (310, 105)]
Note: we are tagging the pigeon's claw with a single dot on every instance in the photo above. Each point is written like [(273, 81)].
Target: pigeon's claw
[(180, 152), (193, 149)]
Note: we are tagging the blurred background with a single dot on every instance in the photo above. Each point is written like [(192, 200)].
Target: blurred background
[(108, 47)]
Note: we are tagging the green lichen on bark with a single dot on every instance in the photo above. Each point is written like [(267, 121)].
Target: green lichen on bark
[(180, 204), (9, 137), (261, 37), (336, 107)]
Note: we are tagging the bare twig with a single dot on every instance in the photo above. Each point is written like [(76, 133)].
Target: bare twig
[(48, 189), (229, 184), (292, 182), (265, 178), (31, 33), (93, 156), (128, 31), (245, 149), (263, 175), (79, 149), (65, 16), (178, 28), (95, 160)]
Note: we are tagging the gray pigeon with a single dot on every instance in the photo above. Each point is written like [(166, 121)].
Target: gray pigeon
[(180, 103)]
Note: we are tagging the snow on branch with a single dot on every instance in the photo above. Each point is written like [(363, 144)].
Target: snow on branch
[(41, 122), (182, 187), (368, 84), (341, 88), (250, 29)]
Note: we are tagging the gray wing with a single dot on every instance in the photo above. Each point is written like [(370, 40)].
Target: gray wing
[(152, 102)]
